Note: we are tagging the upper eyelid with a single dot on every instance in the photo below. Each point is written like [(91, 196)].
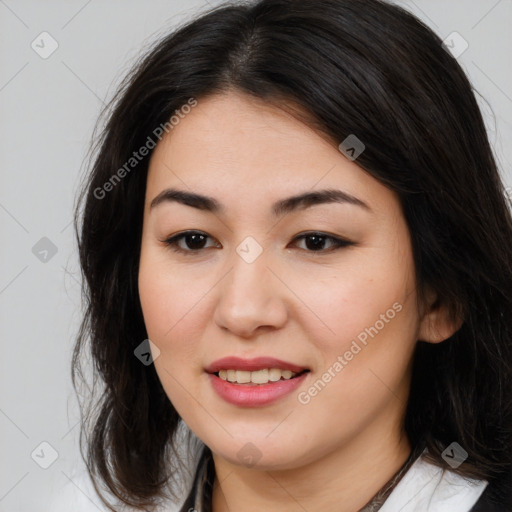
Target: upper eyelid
[(306, 233), (338, 240)]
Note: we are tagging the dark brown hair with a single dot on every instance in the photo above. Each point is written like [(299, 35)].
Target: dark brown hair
[(361, 67)]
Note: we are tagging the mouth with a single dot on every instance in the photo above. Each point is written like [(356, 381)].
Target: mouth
[(254, 382), (258, 370), (258, 377)]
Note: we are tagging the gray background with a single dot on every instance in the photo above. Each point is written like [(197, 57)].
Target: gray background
[(48, 108)]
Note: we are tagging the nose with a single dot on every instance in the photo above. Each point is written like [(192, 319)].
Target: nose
[(251, 297)]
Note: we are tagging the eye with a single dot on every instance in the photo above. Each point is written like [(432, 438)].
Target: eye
[(195, 241), (315, 242)]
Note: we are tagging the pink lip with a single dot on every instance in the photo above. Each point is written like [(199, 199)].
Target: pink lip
[(252, 365), (255, 395)]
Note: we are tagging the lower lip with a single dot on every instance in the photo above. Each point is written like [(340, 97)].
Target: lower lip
[(256, 395)]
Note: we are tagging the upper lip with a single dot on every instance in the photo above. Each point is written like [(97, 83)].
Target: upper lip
[(254, 364)]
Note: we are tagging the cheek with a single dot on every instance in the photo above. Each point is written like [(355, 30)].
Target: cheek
[(171, 308), (376, 323), (364, 365), (169, 296), (355, 299)]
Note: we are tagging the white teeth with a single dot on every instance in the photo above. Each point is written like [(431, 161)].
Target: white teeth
[(257, 377), (274, 375), (243, 377)]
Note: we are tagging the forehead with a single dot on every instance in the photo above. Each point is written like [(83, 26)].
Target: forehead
[(237, 146), (236, 127)]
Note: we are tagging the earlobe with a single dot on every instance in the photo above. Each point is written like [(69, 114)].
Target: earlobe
[(437, 323)]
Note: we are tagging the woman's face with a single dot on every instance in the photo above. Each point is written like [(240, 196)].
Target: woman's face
[(266, 281)]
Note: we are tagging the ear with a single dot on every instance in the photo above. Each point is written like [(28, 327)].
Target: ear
[(436, 322)]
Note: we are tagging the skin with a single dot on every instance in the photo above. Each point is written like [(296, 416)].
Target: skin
[(293, 303)]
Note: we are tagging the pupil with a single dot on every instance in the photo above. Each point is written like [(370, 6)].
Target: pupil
[(193, 237), (316, 245)]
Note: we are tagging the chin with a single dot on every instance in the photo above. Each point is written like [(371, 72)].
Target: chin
[(261, 455)]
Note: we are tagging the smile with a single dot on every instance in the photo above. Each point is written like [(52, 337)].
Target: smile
[(258, 377), (254, 382)]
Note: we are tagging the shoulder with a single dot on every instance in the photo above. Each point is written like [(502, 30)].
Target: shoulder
[(76, 492), (497, 496), (429, 488)]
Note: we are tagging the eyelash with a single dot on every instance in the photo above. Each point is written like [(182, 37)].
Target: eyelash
[(339, 243)]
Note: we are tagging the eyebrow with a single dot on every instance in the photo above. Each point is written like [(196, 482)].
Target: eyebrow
[(279, 208)]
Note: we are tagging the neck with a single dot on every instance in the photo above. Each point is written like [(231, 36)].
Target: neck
[(344, 480)]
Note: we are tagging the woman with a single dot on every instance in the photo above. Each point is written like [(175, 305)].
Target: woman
[(297, 252)]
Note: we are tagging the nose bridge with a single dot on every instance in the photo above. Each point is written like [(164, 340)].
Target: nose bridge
[(249, 277), (249, 294)]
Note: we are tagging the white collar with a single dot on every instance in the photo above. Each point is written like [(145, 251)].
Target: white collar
[(429, 488)]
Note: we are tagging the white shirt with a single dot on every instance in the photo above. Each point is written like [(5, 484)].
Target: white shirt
[(424, 487)]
